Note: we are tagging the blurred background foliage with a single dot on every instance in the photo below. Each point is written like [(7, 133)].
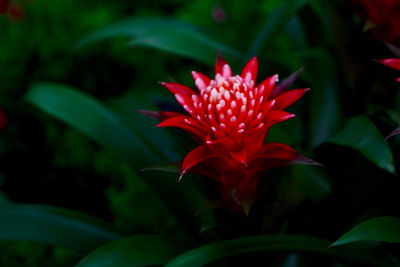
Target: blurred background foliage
[(45, 161)]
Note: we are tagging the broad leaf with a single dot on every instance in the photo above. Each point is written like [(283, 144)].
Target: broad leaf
[(169, 35), (188, 44), (285, 243), (362, 135), (93, 119), (142, 250), (376, 229), (55, 226), (314, 181)]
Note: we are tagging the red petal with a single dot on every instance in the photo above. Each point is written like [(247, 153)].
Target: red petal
[(391, 62), (222, 144), (219, 65), (270, 156), (185, 123), (275, 116), (286, 99), (285, 84), (177, 88), (254, 139), (268, 84), (201, 80), (160, 115), (193, 158), (186, 102), (276, 151), (252, 68)]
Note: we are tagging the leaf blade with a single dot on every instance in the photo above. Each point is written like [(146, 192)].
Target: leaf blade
[(275, 22), (362, 135), (141, 250), (178, 37), (376, 229), (55, 226)]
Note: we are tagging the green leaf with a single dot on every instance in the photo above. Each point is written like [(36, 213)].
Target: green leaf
[(142, 250), (93, 119), (55, 226), (285, 243), (376, 229), (362, 135), (188, 44), (314, 181), (324, 102), (168, 35), (99, 123), (275, 23)]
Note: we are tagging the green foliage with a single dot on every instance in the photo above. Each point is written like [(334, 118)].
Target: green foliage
[(293, 243), (54, 226), (166, 34), (141, 250), (55, 60), (361, 134), (377, 229)]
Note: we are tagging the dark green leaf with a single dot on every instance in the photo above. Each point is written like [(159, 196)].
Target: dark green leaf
[(169, 35), (55, 226), (376, 229), (362, 135), (142, 250), (275, 23), (287, 243), (93, 119), (316, 184), (188, 44)]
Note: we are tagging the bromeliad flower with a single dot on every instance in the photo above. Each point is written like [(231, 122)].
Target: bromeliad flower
[(229, 117)]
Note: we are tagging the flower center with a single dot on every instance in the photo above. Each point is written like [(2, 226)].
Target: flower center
[(230, 105)]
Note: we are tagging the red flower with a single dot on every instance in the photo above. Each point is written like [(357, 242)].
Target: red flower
[(229, 117), (382, 17)]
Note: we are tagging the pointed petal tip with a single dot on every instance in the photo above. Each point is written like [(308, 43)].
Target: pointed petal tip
[(395, 132), (307, 89), (181, 175), (307, 161)]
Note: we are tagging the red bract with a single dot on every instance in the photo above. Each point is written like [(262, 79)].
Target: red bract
[(382, 17), (229, 117), (393, 63)]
